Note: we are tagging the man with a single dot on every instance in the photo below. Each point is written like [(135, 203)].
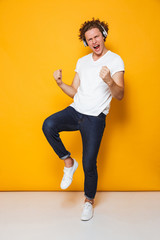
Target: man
[(99, 77)]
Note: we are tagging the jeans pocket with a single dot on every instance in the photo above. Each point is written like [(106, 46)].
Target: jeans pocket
[(101, 116)]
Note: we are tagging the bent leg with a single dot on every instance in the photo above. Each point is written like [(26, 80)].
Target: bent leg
[(64, 120)]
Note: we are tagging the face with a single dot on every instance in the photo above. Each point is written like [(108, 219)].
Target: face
[(95, 41)]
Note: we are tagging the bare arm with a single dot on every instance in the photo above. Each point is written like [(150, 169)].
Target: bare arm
[(70, 90), (115, 83)]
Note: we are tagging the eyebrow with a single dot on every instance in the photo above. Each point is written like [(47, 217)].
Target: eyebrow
[(94, 36)]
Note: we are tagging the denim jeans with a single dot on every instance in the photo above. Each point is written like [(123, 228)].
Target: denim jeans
[(91, 129)]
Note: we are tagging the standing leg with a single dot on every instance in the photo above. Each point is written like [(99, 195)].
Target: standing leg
[(92, 128)]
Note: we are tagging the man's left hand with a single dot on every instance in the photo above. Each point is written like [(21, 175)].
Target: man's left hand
[(105, 75)]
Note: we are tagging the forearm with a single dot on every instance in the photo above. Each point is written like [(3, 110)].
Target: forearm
[(69, 90), (116, 91)]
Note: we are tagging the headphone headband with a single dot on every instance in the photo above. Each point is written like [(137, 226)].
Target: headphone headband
[(104, 33)]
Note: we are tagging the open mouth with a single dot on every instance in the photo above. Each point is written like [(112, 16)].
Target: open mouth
[(96, 47)]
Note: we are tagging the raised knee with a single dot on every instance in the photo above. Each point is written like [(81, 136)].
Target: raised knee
[(47, 125)]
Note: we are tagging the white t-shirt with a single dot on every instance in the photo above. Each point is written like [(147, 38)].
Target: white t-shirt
[(93, 94)]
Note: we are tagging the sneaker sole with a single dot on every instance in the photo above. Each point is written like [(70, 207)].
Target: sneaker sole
[(82, 219)]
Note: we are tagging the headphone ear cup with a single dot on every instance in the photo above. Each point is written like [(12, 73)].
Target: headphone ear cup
[(104, 31), (85, 43)]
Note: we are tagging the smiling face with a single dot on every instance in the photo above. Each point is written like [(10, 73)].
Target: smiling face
[(95, 41)]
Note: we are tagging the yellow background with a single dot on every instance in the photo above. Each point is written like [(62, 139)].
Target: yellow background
[(36, 38)]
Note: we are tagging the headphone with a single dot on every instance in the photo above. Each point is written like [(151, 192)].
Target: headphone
[(104, 33)]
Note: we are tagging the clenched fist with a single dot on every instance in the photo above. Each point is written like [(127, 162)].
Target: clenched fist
[(105, 75), (58, 76)]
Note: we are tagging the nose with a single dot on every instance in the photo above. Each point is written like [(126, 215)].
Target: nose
[(94, 41)]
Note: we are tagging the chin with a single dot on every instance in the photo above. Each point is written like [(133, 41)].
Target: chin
[(98, 53)]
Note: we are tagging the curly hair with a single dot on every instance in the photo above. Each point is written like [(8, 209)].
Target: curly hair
[(94, 23)]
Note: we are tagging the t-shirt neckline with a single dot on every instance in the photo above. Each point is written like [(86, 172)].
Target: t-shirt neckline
[(99, 58)]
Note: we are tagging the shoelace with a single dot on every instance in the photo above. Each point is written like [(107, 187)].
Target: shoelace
[(87, 205)]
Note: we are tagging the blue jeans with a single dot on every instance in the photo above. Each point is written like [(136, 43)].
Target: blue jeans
[(91, 129)]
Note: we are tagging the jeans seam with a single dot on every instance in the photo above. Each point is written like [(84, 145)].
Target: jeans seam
[(88, 197), (66, 156)]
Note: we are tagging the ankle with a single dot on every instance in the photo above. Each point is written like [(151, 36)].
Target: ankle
[(90, 201), (68, 162)]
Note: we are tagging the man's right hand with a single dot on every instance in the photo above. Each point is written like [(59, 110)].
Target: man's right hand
[(70, 90), (58, 76)]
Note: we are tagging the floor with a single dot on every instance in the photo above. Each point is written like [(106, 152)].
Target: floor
[(56, 215)]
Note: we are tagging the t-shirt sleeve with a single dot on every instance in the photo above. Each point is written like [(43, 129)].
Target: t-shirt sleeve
[(118, 65), (77, 67)]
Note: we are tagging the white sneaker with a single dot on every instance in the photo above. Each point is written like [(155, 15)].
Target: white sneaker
[(87, 212), (68, 175)]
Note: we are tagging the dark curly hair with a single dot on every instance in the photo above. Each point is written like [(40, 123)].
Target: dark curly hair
[(94, 23)]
